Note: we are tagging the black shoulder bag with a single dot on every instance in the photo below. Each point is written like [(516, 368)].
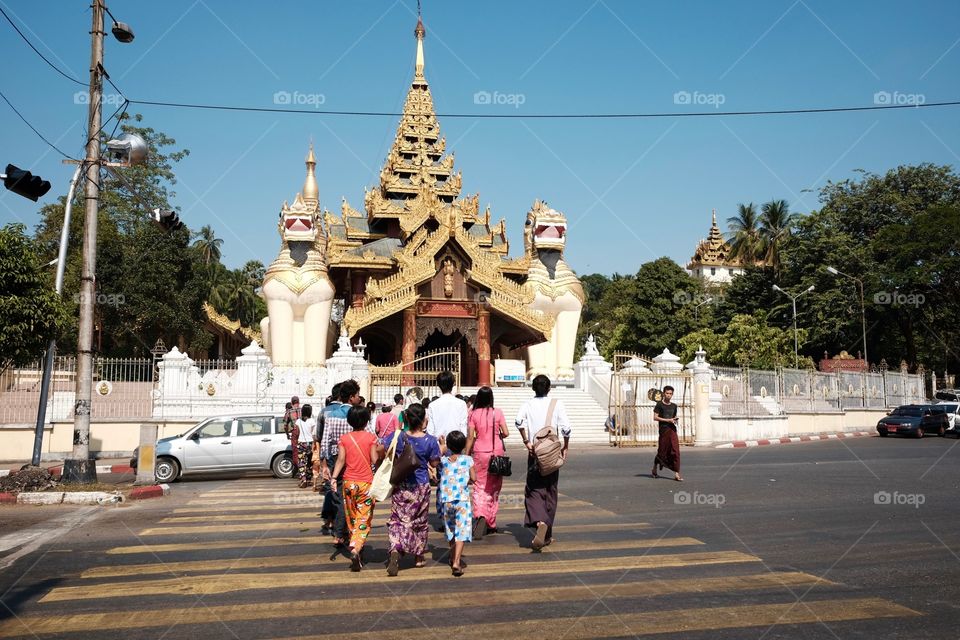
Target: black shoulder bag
[(499, 465)]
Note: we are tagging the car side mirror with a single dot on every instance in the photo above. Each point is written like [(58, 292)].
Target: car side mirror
[(195, 436)]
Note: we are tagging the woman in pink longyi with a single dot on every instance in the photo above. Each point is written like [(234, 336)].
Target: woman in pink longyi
[(487, 428)]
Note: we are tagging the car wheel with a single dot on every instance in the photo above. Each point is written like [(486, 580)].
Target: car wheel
[(883, 434), (282, 466), (167, 470)]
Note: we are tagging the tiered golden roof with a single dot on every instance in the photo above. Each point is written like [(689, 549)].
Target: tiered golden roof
[(714, 251), (413, 213)]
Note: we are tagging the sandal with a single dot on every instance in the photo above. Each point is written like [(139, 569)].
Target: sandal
[(393, 564), (540, 538), (457, 572), (420, 563), (678, 478), (654, 472), (355, 563)]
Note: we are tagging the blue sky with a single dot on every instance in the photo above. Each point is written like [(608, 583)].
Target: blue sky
[(633, 190)]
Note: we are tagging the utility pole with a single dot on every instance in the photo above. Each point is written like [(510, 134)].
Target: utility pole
[(796, 342), (79, 467)]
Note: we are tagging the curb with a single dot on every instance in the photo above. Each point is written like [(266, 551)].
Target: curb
[(104, 468), (739, 444), (152, 491)]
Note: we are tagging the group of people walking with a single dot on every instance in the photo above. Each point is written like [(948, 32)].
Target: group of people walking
[(459, 450)]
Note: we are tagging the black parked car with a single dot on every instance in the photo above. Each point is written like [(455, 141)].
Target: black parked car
[(914, 420)]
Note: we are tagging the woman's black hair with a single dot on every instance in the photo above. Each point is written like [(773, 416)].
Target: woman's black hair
[(358, 417), (289, 406), (414, 416), (484, 399), (306, 411), (456, 442)]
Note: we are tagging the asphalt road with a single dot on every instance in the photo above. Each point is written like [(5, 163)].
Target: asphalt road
[(837, 539)]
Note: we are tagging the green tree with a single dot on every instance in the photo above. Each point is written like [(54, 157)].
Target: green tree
[(652, 310), (746, 242), (31, 313), (149, 284), (776, 225), (207, 245)]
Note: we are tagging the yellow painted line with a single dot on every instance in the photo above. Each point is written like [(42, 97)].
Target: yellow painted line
[(313, 521), (313, 516), (224, 544), (338, 575), (230, 564), (258, 507), (110, 621), (303, 510), (677, 621)]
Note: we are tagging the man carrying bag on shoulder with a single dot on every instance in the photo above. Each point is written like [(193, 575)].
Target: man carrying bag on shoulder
[(542, 423)]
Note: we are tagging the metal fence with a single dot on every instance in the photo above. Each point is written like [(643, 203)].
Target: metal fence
[(753, 392), (122, 389), (632, 398)]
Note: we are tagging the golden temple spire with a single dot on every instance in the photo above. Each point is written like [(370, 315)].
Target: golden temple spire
[(311, 192), (417, 160), (420, 32)]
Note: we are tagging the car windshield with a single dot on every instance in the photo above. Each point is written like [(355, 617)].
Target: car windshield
[(949, 408), (906, 411)]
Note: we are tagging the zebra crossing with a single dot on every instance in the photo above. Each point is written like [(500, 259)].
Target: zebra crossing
[(245, 560)]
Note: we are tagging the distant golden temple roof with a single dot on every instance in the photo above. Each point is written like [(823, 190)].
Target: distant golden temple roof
[(714, 251)]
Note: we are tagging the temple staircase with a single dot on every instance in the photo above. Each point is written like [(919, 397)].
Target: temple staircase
[(586, 415)]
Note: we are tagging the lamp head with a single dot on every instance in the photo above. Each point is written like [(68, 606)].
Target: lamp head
[(811, 288), (777, 288), (833, 271), (122, 32)]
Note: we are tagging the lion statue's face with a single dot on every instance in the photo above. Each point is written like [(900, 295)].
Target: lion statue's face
[(298, 224), (547, 228)]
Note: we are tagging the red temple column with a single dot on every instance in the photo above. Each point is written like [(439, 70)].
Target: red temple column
[(409, 344), (358, 288), (483, 348)]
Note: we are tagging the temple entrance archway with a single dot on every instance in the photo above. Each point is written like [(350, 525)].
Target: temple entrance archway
[(456, 342)]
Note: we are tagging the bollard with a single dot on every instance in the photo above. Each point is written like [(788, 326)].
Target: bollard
[(147, 455)]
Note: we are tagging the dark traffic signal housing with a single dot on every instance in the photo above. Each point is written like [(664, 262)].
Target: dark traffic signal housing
[(23, 183), (167, 219)]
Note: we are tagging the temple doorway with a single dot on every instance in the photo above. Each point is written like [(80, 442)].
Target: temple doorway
[(436, 340)]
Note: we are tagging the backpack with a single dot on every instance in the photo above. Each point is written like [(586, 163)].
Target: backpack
[(547, 446)]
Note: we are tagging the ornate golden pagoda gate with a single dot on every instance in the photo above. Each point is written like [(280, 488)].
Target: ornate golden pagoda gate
[(421, 372)]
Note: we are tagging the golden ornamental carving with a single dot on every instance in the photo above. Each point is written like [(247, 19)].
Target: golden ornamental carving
[(357, 318)]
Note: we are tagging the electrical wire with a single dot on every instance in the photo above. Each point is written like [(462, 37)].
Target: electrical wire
[(37, 51), (578, 116), (34, 129)]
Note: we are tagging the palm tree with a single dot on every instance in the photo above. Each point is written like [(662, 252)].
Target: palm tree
[(239, 296), (208, 244), (776, 225), (744, 235)]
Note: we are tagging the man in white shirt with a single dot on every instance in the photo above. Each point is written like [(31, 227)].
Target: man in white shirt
[(448, 412), (445, 414), (540, 491)]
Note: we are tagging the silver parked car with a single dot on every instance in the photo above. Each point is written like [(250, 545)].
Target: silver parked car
[(226, 443)]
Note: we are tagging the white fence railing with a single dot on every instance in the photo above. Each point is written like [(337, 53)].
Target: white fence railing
[(755, 392), (122, 389)]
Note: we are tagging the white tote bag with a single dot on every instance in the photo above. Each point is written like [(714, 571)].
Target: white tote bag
[(380, 488)]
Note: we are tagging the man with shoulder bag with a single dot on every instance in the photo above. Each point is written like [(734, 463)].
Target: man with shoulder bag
[(542, 423)]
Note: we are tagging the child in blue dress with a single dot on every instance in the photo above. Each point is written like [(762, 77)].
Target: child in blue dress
[(456, 476)]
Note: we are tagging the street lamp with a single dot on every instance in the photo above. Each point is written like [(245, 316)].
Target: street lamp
[(793, 299), (78, 467), (863, 309), (696, 309)]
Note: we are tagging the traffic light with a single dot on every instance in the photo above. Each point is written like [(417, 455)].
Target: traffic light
[(23, 183), (169, 220)]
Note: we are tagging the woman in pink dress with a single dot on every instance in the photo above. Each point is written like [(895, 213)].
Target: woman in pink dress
[(487, 428)]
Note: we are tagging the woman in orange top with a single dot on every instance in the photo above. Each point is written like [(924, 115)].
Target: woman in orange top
[(358, 452)]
